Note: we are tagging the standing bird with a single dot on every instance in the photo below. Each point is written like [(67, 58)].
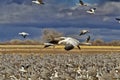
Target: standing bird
[(118, 19), (82, 3), (24, 34), (38, 2), (91, 11), (22, 69), (83, 32)]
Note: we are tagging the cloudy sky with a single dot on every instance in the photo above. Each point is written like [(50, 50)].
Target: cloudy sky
[(62, 15)]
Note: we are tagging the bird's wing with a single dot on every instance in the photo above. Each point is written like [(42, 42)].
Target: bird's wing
[(19, 33), (81, 33), (27, 34), (88, 39), (94, 8), (47, 45), (81, 2), (40, 1), (72, 41), (117, 19)]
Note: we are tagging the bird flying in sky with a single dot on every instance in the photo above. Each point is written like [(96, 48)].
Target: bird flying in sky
[(38, 2), (24, 34)]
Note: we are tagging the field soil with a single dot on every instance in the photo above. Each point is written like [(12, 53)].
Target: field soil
[(57, 49)]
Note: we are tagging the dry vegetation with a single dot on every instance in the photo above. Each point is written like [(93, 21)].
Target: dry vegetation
[(58, 49), (49, 34), (34, 46)]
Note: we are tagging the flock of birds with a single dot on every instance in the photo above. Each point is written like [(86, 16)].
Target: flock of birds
[(81, 3), (69, 42), (60, 67)]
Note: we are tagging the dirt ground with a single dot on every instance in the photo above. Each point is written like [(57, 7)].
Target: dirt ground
[(57, 49)]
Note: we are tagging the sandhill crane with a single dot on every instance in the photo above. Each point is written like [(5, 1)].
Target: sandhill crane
[(38, 2), (91, 11), (24, 34)]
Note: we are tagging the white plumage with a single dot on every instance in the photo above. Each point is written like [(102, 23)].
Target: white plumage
[(24, 34), (38, 2), (82, 32), (70, 43), (91, 11)]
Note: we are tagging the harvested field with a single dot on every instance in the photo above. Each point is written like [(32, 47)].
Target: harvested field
[(57, 64), (57, 49)]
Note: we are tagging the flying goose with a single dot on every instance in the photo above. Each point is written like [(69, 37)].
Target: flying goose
[(53, 42), (24, 34), (82, 3), (70, 43), (118, 19), (38, 2), (82, 32), (91, 11)]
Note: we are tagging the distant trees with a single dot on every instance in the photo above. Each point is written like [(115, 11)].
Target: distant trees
[(100, 42), (21, 42), (49, 34)]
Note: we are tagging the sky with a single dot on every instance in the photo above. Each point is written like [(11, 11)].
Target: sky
[(62, 15)]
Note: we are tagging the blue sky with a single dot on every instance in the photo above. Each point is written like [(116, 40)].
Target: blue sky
[(62, 15)]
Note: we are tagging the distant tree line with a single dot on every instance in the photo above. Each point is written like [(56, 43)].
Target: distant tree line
[(49, 34)]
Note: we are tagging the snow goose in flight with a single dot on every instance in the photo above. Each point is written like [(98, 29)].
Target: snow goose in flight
[(38, 2), (118, 19), (91, 11), (24, 34), (82, 32), (70, 43), (82, 3), (53, 42)]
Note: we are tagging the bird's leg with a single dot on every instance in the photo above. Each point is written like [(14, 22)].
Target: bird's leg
[(78, 47)]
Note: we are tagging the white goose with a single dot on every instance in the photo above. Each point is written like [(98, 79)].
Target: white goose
[(70, 43), (53, 42), (22, 69), (91, 11), (82, 32), (38, 2), (82, 3), (24, 34)]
